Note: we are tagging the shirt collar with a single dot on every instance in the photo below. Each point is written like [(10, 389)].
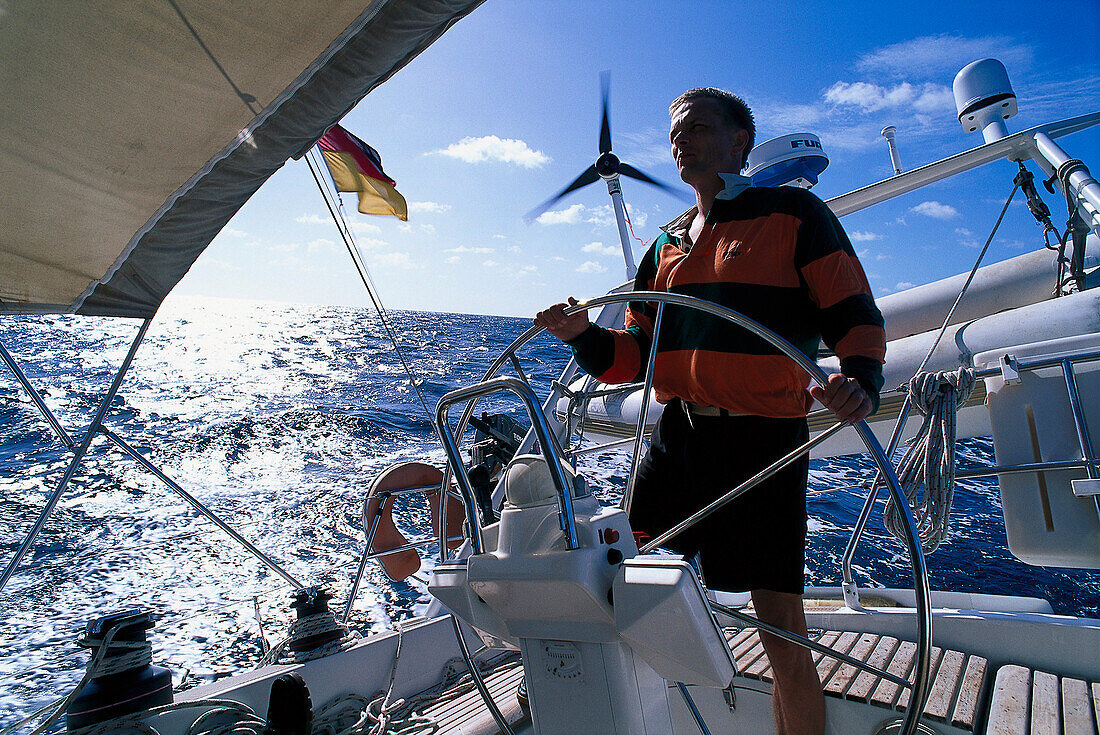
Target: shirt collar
[(734, 185)]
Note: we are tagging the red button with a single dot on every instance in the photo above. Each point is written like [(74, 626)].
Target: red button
[(610, 535)]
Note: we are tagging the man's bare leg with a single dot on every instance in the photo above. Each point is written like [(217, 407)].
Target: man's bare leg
[(798, 702)]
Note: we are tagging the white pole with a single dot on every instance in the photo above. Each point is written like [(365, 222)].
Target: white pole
[(616, 193)]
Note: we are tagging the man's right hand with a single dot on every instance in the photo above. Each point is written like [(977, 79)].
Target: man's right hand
[(565, 328)]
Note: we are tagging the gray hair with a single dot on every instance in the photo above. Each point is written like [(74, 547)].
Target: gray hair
[(735, 112)]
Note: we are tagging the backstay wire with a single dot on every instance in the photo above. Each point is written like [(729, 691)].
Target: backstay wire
[(330, 196)]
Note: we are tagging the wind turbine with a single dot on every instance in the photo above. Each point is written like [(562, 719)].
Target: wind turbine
[(608, 167)]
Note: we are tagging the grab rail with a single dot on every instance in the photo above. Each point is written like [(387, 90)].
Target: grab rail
[(547, 440)]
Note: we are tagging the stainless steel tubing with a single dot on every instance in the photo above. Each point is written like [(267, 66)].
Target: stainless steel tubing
[(546, 439), (807, 643), (78, 456), (36, 397), (471, 665), (643, 414), (693, 709), (872, 496), (1079, 421), (1041, 362), (923, 601)]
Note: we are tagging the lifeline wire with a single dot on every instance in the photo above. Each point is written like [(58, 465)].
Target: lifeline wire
[(364, 275)]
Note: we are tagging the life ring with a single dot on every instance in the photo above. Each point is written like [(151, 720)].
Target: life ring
[(401, 565)]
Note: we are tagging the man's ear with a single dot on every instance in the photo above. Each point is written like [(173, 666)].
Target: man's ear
[(741, 143)]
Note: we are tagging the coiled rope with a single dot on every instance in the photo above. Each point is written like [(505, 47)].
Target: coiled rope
[(308, 627), (930, 460)]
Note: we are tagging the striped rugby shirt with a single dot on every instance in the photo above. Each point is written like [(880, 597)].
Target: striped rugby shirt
[(780, 257)]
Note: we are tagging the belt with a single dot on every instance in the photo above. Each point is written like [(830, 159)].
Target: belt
[(698, 409)]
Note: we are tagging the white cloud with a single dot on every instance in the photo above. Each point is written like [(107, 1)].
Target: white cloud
[(464, 249), (962, 231), (939, 56), (371, 242), (869, 97), (599, 247), (428, 207), (591, 267), (313, 219), (569, 216), (647, 148), (452, 260), (392, 260), (936, 210), (902, 285), (230, 231), (361, 227), (605, 215), (321, 243), (860, 236), (490, 263), (492, 148), (601, 216), (222, 265), (514, 249), (427, 229)]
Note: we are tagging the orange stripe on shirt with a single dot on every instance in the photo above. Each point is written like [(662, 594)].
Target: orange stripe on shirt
[(762, 385), (866, 340), (834, 278)]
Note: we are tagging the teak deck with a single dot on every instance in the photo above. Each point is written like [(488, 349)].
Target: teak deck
[(1021, 701)]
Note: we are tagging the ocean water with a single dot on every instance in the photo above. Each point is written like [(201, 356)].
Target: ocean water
[(277, 417)]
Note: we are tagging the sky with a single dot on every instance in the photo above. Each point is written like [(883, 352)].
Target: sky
[(503, 112)]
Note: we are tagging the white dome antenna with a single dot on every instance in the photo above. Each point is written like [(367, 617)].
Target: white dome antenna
[(984, 98), (789, 160), (889, 132)]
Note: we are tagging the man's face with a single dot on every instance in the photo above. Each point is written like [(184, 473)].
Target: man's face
[(703, 144)]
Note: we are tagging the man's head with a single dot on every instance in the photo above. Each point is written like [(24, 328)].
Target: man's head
[(712, 131)]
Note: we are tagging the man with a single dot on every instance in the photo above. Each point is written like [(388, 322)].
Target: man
[(735, 404)]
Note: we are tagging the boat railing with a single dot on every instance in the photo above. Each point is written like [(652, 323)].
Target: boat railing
[(1009, 369)]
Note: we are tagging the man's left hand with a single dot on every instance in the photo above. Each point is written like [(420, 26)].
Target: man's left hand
[(844, 397)]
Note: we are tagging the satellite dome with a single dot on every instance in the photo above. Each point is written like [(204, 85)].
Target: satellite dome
[(984, 98), (794, 160)]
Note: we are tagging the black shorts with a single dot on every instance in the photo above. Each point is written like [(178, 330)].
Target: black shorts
[(758, 541)]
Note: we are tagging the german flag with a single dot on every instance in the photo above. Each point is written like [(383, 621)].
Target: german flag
[(355, 166)]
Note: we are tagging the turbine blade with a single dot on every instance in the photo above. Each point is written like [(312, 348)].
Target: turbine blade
[(587, 177), (605, 126), (627, 170)]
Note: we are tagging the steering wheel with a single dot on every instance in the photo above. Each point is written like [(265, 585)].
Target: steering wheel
[(920, 684)]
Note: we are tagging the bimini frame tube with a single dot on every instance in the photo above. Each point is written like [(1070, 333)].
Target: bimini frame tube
[(78, 456), (36, 397)]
